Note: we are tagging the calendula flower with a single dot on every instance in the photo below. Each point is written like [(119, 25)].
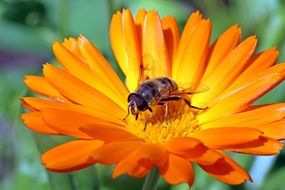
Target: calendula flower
[(85, 99)]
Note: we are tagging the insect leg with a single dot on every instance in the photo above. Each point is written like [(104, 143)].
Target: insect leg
[(148, 119), (198, 108), (127, 114), (165, 104), (171, 98), (191, 106), (188, 102)]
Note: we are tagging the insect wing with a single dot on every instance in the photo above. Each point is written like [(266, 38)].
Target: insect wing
[(149, 68), (190, 88)]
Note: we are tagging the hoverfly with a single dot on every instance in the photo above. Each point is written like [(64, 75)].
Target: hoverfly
[(157, 91)]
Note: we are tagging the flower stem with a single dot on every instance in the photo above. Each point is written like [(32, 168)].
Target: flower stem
[(151, 180)]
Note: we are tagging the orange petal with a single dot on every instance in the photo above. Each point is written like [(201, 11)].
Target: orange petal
[(208, 158), (275, 130), (108, 132), (226, 72), (130, 167), (190, 27), (154, 153), (186, 147), (255, 117), (33, 120), (69, 122), (227, 137), (114, 152), (192, 149), (222, 47), (40, 104), (190, 66), (227, 171), (139, 162), (105, 74), (259, 62), (41, 86), (77, 91), (140, 17), (70, 156), (139, 24), (171, 35), (155, 56), (139, 20), (278, 68), (70, 61), (125, 46), (177, 170), (77, 67), (261, 146), (255, 75), (26, 105), (72, 45), (239, 98)]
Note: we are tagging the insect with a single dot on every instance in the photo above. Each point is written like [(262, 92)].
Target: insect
[(157, 91)]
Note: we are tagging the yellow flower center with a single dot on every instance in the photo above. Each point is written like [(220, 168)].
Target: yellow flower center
[(180, 120)]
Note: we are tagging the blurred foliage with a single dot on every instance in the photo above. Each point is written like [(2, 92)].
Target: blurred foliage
[(27, 30)]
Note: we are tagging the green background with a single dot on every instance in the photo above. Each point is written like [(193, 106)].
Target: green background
[(27, 29)]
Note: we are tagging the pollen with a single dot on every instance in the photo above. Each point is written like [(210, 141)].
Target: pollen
[(179, 121)]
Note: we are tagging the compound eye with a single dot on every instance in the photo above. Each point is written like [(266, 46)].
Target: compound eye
[(142, 104), (137, 102)]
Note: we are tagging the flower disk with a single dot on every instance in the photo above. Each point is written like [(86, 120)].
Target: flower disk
[(86, 100)]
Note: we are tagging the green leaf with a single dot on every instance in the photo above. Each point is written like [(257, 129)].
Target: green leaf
[(174, 8), (91, 18), (275, 181)]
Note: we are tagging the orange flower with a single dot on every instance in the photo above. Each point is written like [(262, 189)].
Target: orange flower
[(86, 100)]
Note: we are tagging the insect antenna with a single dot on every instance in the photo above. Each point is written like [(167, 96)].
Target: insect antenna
[(128, 113)]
